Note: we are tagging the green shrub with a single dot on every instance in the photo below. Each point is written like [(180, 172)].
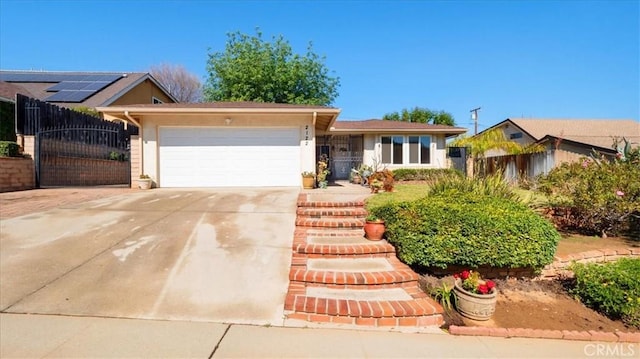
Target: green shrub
[(594, 196), (9, 149), (468, 229), (7, 122), (488, 186), (424, 174), (612, 288)]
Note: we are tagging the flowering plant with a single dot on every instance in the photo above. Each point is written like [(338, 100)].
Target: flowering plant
[(472, 282)]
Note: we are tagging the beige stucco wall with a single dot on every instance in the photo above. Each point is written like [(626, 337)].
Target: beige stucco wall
[(151, 125), (509, 129), (141, 94)]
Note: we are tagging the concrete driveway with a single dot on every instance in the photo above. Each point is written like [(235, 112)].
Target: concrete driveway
[(218, 255)]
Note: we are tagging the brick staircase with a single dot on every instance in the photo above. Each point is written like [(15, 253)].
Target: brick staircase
[(338, 276)]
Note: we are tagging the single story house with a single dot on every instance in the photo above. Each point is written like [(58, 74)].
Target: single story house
[(570, 139), (88, 89), (563, 140), (267, 144)]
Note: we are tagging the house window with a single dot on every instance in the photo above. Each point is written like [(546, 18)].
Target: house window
[(399, 150), (392, 149), (516, 135), (155, 100), (420, 149)]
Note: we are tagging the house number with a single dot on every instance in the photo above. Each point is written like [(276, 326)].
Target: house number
[(306, 135)]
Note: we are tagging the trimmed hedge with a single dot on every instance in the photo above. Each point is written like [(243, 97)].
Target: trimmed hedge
[(468, 229), (9, 149), (424, 174), (612, 288)]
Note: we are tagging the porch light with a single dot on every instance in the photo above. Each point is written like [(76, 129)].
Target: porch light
[(228, 121)]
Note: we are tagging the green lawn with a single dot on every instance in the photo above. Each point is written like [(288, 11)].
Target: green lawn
[(413, 191), (402, 192)]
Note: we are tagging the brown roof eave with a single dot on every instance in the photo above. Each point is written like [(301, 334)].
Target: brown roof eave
[(448, 132)]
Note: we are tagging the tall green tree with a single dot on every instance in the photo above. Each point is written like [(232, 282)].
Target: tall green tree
[(251, 69), (421, 115)]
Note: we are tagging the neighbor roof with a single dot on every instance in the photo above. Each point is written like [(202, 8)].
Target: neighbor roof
[(594, 132), (394, 126), (8, 91), (39, 84)]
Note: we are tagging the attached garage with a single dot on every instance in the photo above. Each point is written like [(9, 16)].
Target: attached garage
[(229, 157), (223, 144)]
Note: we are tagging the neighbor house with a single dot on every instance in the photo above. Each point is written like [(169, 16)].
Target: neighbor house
[(88, 89), (570, 138), (563, 140), (268, 144)]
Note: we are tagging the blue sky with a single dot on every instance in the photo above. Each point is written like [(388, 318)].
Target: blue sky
[(565, 59)]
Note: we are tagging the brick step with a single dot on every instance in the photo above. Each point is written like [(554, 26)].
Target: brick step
[(332, 212), (349, 223), (375, 278), (408, 312), (329, 204), (308, 232), (347, 246)]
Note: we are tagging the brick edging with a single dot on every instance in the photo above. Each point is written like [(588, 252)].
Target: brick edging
[(590, 335), (558, 268), (560, 265)]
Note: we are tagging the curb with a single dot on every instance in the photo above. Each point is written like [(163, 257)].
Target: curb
[(591, 335)]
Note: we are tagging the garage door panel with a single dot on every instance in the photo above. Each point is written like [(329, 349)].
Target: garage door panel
[(212, 157)]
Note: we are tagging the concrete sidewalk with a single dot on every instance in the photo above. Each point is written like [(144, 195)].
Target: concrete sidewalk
[(43, 336)]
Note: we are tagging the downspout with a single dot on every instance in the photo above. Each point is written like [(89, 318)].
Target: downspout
[(140, 132)]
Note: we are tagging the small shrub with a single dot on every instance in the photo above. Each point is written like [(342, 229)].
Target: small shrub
[(424, 174), (612, 288), (594, 196), (488, 186), (468, 229), (9, 149)]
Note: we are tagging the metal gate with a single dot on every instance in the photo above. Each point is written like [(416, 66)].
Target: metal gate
[(82, 156), (458, 156)]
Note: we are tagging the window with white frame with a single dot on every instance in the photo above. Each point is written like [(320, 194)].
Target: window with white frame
[(400, 150), (155, 100)]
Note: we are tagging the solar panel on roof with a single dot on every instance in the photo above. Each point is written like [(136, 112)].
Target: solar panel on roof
[(69, 96), (96, 86), (49, 77), (68, 85)]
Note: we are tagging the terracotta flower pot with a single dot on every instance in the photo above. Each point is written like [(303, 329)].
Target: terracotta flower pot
[(374, 230), (308, 182), (474, 306)]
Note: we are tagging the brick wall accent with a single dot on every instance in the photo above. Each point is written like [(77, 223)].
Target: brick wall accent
[(16, 174), (136, 171), (558, 268), (560, 265), (29, 145)]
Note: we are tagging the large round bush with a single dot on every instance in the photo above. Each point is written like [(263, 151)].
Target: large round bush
[(468, 229)]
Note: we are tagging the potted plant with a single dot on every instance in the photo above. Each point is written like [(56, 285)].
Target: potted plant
[(355, 176), (144, 181), (374, 228), (375, 185), (308, 180), (365, 171), (323, 171), (475, 298)]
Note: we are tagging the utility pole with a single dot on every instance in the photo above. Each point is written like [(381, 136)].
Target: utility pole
[(474, 117)]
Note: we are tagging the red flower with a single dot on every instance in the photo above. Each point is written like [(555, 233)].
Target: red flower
[(456, 276), (490, 284), (464, 274), (483, 289)]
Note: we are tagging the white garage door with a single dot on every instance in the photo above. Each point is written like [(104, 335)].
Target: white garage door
[(229, 157)]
